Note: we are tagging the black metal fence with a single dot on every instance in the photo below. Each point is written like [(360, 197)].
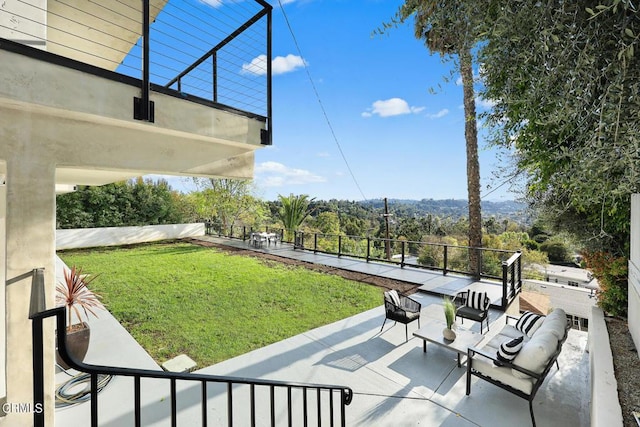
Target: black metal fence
[(495, 264), (247, 400)]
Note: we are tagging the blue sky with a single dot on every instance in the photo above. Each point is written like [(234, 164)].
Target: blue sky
[(399, 139)]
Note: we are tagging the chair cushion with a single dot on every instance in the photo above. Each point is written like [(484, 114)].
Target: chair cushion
[(529, 322), (471, 313), (555, 322), (395, 298), (476, 300), (508, 350), (535, 354)]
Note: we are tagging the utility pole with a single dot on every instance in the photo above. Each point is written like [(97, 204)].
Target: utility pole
[(387, 243)]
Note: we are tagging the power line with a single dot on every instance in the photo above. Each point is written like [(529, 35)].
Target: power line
[(324, 112), (506, 181)]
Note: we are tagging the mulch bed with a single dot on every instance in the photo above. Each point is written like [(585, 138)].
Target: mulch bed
[(626, 365), (382, 282)]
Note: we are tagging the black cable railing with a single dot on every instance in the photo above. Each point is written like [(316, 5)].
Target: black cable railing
[(161, 44), (327, 402), (495, 264)]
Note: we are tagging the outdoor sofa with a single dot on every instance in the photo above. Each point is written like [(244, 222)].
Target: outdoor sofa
[(521, 355)]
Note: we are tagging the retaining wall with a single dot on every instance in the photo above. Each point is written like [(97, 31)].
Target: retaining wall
[(114, 236)]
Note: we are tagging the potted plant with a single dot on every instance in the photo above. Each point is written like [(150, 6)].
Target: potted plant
[(76, 296), (450, 317)]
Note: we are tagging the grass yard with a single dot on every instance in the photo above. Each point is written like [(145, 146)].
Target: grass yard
[(181, 298)]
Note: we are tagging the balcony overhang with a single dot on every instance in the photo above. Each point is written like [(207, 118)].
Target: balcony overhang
[(87, 119)]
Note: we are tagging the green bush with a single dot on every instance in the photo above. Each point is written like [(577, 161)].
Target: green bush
[(556, 251), (612, 275)]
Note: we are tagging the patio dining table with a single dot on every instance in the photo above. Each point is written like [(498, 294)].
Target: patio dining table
[(257, 239)]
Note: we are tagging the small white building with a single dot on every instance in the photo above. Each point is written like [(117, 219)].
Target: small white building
[(577, 302), (571, 276)]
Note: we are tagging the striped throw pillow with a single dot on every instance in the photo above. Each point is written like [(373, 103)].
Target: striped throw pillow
[(395, 298), (529, 322), (476, 300), (508, 350)]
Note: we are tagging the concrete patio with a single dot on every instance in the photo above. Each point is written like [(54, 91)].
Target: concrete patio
[(394, 382)]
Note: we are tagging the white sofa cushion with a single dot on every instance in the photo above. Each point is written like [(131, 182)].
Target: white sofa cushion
[(511, 332), (555, 323), (535, 354), (502, 374)]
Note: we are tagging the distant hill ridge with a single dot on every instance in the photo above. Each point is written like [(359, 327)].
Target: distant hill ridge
[(450, 207)]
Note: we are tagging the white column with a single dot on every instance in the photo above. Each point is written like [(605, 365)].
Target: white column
[(3, 264), (30, 244)]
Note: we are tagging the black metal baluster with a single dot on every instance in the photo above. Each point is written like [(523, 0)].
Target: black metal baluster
[(174, 411), (305, 414), (331, 393), (230, 403), (253, 405), (94, 400), (319, 408), (273, 407), (204, 403), (289, 413), (137, 403)]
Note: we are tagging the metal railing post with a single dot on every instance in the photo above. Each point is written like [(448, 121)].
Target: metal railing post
[(505, 283), (339, 245), (446, 261), (269, 82), (142, 108), (315, 242), (402, 247), (214, 75), (368, 248)]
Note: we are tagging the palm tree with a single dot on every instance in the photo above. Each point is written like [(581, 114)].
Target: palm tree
[(293, 212), (448, 29)]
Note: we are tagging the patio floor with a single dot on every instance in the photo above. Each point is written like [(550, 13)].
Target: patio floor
[(394, 383)]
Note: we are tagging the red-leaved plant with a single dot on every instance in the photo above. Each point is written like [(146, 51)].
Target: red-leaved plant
[(74, 294)]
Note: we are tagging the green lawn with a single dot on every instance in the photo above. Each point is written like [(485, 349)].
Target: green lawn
[(182, 298)]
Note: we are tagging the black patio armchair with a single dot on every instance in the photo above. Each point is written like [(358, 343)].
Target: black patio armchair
[(401, 308), (473, 306)]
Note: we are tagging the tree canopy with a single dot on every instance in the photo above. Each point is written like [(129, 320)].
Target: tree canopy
[(565, 79)]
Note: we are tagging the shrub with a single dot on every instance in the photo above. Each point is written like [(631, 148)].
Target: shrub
[(557, 251), (612, 275)]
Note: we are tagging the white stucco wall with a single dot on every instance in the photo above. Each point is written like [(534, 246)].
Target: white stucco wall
[(634, 272), (113, 236), (605, 407)]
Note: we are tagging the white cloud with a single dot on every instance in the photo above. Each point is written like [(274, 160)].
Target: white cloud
[(279, 64), (285, 64), (485, 103), (257, 66), (439, 114), (212, 3), (391, 107), (323, 154), (274, 174)]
